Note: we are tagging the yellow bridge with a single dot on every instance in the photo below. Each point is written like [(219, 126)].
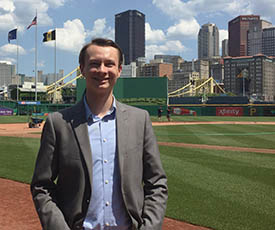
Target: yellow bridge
[(199, 86), (58, 84)]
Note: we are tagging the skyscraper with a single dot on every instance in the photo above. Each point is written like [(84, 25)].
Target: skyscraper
[(7, 73), (130, 34), (224, 47), (268, 41), (255, 36), (208, 41), (238, 29)]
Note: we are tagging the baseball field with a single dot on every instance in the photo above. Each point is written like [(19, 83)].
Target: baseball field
[(221, 171)]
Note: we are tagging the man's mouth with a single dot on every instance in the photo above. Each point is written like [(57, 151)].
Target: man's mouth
[(101, 79)]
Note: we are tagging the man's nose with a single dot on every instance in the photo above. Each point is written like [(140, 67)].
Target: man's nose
[(102, 68)]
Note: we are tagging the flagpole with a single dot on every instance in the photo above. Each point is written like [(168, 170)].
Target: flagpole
[(54, 95), (35, 75), (243, 87), (17, 71)]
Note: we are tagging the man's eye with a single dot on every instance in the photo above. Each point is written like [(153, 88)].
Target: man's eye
[(94, 64), (110, 64)]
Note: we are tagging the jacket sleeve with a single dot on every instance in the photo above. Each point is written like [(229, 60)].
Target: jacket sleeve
[(43, 185), (155, 181)]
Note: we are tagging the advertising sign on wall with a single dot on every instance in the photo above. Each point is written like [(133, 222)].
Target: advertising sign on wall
[(269, 111), (6, 112), (183, 111), (229, 111), (29, 102)]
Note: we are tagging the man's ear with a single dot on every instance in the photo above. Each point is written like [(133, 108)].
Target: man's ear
[(119, 70), (81, 68)]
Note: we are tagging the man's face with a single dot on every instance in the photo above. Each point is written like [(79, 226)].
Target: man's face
[(101, 69)]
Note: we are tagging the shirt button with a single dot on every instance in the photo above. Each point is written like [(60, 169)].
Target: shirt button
[(106, 181), (105, 161), (107, 203), (107, 224), (104, 140)]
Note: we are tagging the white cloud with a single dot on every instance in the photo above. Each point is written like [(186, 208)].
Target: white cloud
[(71, 37), (25, 15), (175, 8), (7, 22), (198, 7), (55, 3), (11, 49), (188, 9), (186, 28), (153, 36), (265, 8), (237, 7), (101, 30), (178, 9), (20, 13), (223, 34), (169, 47), (8, 61), (151, 50), (6, 6)]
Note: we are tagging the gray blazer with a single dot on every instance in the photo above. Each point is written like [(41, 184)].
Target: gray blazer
[(62, 179)]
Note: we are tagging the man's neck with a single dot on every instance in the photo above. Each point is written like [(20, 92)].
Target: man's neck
[(99, 105)]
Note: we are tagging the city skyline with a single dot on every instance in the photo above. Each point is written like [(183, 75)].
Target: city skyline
[(170, 28), (208, 41), (130, 34)]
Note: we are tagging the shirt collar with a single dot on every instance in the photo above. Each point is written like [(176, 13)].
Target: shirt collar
[(93, 118)]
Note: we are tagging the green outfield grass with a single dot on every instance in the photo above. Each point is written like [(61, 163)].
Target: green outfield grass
[(213, 118), (13, 119), (22, 119), (222, 190), (253, 136), (17, 158)]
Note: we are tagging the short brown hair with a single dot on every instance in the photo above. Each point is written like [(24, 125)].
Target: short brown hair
[(100, 42)]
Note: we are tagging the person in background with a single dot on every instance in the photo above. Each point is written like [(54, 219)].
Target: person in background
[(168, 114), (160, 112), (98, 166)]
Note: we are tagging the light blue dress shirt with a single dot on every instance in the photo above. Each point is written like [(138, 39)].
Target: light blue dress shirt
[(106, 209)]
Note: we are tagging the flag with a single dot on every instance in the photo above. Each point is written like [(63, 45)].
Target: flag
[(12, 35), (49, 36), (34, 22), (240, 75)]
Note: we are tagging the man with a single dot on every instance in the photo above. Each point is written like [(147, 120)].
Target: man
[(159, 112), (98, 166), (168, 114)]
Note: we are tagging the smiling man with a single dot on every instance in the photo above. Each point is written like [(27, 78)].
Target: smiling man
[(98, 166)]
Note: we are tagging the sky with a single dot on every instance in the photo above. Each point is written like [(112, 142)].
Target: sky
[(171, 27)]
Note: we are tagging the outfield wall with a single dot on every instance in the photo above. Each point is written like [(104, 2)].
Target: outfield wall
[(180, 110), (224, 110), (140, 87), (151, 92), (26, 108), (143, 92)]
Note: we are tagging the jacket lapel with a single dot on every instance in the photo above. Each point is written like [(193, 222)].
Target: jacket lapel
[(79, 124), (122, 135)]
